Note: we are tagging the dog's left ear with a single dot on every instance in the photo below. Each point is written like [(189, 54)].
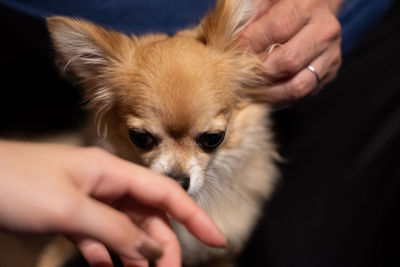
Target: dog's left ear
[(221, 26), (220, 29)]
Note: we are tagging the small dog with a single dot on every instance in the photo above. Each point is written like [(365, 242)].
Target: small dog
[(187, 106)]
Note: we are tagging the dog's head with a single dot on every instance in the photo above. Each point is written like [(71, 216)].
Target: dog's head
[(169, 103)]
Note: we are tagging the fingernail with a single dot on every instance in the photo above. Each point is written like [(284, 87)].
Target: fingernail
[(149, 248)]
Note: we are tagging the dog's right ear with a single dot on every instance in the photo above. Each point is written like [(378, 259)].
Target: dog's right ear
[(86, 49)]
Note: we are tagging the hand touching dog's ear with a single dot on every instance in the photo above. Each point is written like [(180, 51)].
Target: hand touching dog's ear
[(221, 27), (221, 30), (308, 33)]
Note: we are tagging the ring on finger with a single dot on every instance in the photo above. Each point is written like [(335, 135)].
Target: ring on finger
[(316, 75)]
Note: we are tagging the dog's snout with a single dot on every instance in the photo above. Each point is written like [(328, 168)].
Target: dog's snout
[(182, 179)]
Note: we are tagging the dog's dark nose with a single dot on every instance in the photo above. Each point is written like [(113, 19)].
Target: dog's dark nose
[(182, 179)]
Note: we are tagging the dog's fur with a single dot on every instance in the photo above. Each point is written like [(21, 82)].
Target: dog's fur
[(178, 88)]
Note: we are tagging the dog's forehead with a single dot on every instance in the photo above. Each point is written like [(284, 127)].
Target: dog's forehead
[(183, 84)]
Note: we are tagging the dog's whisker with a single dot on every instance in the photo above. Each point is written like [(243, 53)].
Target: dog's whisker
[(226, 186), (218, 189)]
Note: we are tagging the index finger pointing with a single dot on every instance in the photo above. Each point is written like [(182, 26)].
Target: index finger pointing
[(164, 193), (121, 178)]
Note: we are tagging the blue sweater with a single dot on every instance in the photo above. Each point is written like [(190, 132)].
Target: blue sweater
[(140, 16)]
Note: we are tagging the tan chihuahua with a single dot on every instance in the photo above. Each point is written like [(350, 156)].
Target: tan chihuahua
[(187, 106)]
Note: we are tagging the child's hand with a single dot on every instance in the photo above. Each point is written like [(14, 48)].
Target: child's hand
[(99, 201)]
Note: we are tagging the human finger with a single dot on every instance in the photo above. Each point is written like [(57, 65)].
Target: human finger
[(138, 213), (110, 227), (115, 178), (95, 253), (158, 227), (171, 198), (134, 262), (305, 82), (262, 7), (304, 48), (280, 23)]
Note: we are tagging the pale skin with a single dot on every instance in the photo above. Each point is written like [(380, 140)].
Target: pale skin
[(99, 201), (307, 33)]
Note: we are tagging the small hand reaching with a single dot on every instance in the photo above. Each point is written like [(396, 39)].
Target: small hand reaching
[(99, 201)]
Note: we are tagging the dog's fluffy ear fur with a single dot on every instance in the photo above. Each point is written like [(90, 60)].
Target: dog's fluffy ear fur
[(220, 27), (86, 49), (86, 53)]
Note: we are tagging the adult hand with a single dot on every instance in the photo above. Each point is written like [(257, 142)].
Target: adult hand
[(82, 192), (308, 33)]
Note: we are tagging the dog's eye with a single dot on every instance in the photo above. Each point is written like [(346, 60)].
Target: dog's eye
[(210, 141), (142, 139)]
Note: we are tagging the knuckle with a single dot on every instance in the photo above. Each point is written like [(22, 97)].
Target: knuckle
[(66, 211), (290, 63), (334, 30), (169, 238), (247, 41), (281, 27), (257, 38), (298, 88)]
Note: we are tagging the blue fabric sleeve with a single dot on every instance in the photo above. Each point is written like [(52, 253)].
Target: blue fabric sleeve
[(140, 16), (356, 16)]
